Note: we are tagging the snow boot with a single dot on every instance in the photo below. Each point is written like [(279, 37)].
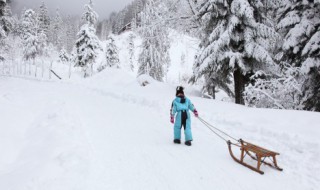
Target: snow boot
[(177, 141), (188, 143)]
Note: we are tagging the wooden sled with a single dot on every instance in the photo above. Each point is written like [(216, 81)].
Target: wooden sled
[(260, 155)]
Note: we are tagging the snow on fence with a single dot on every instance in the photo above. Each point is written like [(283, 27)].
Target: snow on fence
[(31, 69)]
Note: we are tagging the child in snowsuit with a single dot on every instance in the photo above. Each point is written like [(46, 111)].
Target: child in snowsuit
[(180, 107)]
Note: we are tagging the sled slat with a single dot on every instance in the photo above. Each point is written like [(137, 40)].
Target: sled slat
[(259, 155)]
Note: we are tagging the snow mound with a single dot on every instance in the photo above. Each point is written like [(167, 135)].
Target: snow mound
[(145, 80)]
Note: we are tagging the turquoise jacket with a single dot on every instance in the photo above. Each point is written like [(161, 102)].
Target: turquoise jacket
[(179, 108)]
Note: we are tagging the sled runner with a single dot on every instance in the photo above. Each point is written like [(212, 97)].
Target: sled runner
[(255, 152)]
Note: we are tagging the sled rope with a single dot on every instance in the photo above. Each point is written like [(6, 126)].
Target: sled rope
[(211, 128)]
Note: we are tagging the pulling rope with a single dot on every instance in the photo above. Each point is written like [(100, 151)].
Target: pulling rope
[(211, 128)]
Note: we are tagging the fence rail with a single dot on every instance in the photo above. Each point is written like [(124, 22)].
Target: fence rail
[(28, 69)]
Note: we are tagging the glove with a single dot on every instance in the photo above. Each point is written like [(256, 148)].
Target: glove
[(196, 113), (172, 119)]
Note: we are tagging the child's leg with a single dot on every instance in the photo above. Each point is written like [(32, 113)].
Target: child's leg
[(187, 131), (177, 127), (177, 132)]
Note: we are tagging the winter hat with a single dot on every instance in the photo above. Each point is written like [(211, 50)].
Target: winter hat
[(179, 90)]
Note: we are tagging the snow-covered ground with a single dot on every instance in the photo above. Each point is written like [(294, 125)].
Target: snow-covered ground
[(108, 132)]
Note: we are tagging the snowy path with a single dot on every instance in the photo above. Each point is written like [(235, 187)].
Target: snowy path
[(102, 135)]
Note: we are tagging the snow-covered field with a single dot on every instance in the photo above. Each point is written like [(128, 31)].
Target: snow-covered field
[(108, 132)]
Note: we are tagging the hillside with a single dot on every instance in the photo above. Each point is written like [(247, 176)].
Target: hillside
[(108, 132)]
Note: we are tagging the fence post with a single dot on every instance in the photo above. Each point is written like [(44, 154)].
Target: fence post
[(50, 69), (36, 68), (42, 67), (29, 67), (25, 67)]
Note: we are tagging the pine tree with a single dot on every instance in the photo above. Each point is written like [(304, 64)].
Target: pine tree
[(119, 22), (90, 17), (70, 33), (6, 25), (87, 44), (33, 39), (113, 22), (311, 90), (57, 30), (104, 30), (64, 56), (42, 43), (5, 19), (234, 42), (44, 19), (300, 24), (138, 9), (131, 50), (154, 58), (29, 34), (112, 55)]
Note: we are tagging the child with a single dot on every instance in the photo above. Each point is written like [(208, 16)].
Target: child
[(180, 107)]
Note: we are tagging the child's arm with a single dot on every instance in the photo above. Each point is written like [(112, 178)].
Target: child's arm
[(193, 109)]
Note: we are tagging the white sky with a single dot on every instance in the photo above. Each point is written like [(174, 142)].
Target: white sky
[(73, 7)]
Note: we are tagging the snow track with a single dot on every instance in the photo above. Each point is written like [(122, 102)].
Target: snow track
[(113, 134)]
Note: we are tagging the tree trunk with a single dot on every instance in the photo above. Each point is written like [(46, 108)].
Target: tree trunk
[(239, 84), (213, 91)]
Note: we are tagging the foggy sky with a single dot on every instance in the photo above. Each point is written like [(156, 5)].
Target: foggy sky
[(72, 7)]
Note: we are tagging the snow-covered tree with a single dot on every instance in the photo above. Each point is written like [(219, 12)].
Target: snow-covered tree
[(104, 30), (112, 55), (42, 43), (131, 50), (5, 19), (235, 43), (70, 33), (29, 34), (57, 30), (119, 22), (33, 39), (300, 25), (6, 25), (281, 92), (87, 44), (311, 90), (64, 57), (44, 19), (154, 58), (138, 8), (89, 17)]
